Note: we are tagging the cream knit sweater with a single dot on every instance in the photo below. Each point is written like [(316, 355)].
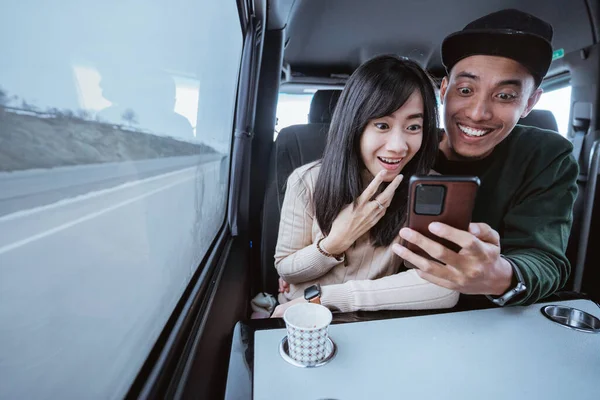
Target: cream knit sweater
[(371, 280)]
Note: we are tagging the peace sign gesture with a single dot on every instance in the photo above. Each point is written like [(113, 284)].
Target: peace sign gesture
[(356, 220)]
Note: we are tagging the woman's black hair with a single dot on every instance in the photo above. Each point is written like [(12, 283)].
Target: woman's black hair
[(376, 89)]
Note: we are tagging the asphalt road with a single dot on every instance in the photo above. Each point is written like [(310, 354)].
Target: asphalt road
[(91, 272)]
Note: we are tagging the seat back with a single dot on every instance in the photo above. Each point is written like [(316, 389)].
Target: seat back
[(295, 146), (322, 105), (543, 119)]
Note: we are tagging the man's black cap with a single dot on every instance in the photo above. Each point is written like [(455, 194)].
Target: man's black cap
[(508, 33)]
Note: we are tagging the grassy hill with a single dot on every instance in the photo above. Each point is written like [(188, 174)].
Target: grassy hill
[(29, 141)]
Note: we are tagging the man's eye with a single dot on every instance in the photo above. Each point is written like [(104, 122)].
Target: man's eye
[(382, 126), (465, 91), (414, 128), (506, 96)]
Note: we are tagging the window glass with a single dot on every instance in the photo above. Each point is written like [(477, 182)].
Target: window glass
[(292, 109), (559, 103), (115, 133)]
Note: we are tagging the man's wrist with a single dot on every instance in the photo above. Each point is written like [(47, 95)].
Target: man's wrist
[(505, 279), (517, 286)]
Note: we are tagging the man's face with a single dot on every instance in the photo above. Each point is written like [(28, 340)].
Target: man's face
[(484, 97)]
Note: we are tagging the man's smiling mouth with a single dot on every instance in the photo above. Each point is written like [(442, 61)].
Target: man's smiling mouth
[(472, 132)]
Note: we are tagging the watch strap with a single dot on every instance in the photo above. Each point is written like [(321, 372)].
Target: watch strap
[(517, 289)]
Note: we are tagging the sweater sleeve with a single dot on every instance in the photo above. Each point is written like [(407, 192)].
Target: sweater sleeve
[(297, 258), (536, 229), (402, 291)]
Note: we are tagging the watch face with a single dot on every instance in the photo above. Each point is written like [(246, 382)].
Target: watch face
[(312, 291)]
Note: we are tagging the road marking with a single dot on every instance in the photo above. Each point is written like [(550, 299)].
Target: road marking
[(90, 195), (62, 227)]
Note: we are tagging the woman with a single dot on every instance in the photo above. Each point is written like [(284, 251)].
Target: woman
[(341, 215)]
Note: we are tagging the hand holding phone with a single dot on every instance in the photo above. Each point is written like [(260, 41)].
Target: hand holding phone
[(446, 199)]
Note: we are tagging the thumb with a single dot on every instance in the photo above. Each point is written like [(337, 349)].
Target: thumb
[(484, 233)]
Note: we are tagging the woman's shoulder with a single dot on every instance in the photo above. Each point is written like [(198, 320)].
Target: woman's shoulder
[(306, 174)]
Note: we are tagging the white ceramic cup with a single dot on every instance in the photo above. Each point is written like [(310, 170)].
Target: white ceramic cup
[(307, 332)]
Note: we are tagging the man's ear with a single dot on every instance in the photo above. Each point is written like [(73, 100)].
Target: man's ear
[(532, 101), (443, 88)]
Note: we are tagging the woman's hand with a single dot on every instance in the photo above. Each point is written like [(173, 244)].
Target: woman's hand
[(284, 287), (280, 309), (354, 221)]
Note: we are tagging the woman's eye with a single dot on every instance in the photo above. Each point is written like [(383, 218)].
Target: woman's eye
[(464, 91), (414, 128), (506, 96), (382, 126)]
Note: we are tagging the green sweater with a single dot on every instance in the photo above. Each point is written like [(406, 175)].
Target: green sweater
[(528, 188)]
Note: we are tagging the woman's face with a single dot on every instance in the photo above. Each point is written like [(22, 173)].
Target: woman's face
[(389, 143)]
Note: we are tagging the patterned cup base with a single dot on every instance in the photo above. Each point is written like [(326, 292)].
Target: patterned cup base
[(307, 346), (331, 351)]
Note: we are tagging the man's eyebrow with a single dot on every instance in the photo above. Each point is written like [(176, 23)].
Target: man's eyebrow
[(468, 75), (506, 82), (512, 82), (415, 116)]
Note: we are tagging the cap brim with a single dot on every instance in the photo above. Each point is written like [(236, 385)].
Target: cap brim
[(532, 51)]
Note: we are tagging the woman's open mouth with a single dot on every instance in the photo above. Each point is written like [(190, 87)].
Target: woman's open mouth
[(390, 163)]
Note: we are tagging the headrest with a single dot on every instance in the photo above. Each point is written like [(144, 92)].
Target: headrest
[(543, 119), (322, 106)]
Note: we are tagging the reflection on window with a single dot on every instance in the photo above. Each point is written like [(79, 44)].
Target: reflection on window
[(186, 99), (115, 128), (559, 103), (88, 89)]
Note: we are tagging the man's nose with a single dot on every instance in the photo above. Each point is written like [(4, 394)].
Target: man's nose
[(479, 109)]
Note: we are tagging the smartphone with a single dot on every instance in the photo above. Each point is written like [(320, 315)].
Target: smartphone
[(438, 198)]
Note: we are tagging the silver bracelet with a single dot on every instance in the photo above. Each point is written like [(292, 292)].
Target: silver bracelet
[(511, 293)]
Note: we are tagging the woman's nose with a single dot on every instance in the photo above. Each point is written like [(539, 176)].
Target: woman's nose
[(397, 143)]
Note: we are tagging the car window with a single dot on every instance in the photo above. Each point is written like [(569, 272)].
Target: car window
[(115, 135), (292, 109), (557, 101)]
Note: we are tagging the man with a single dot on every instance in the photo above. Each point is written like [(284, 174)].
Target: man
[(515, 252)]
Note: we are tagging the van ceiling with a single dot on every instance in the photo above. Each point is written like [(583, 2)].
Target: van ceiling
[(334, 36)]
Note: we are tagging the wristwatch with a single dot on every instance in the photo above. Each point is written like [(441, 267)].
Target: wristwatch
[(312, 294), (516, 290)]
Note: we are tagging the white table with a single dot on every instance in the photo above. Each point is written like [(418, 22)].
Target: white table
[(502, 353)]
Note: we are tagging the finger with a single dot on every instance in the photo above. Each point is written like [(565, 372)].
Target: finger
[(437, 281), (377, 213), (387, 195), (431, 247), (276, 312), (370, 191), (485, 233), (445, 272), (464, 239)]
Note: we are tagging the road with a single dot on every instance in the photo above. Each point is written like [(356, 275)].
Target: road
[(88, 281), (31, 188)]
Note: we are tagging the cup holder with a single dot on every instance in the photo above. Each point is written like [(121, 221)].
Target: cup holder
[(572, 318)]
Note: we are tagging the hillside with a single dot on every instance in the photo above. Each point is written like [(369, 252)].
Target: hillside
[(31, 141)]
